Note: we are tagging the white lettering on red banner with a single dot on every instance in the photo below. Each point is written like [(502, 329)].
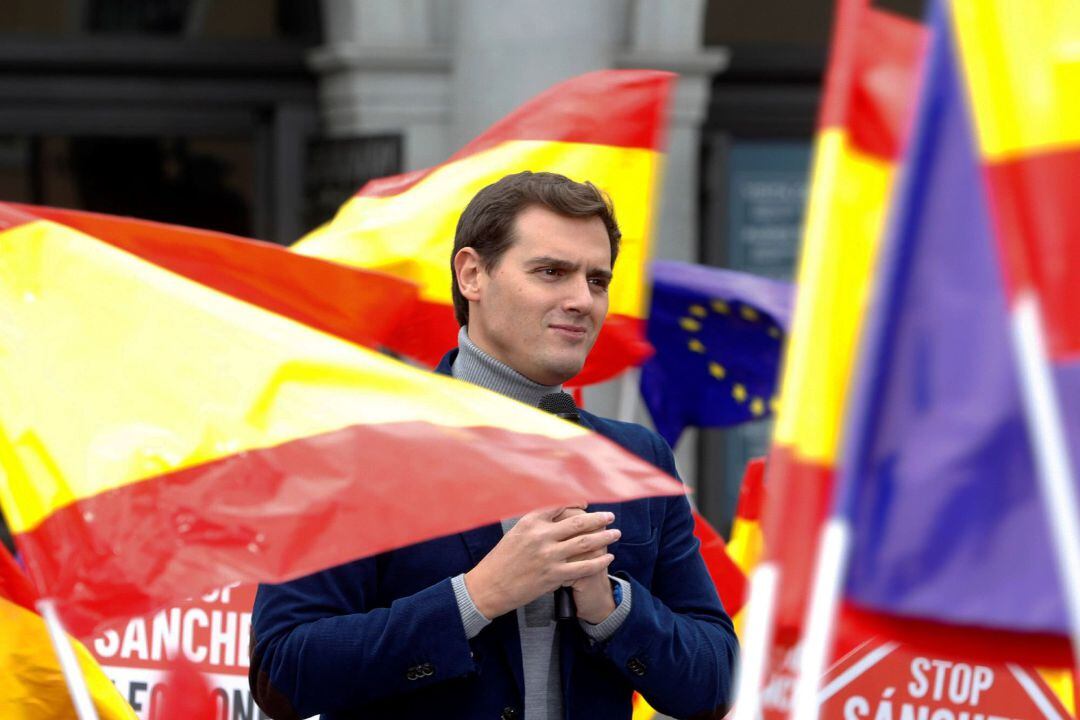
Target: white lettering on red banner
[(882, 680)]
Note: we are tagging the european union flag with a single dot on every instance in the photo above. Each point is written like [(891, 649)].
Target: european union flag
[(718, 335)]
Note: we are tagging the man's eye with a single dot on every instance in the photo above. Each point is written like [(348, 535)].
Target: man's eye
[(601, 283), (551, 272)]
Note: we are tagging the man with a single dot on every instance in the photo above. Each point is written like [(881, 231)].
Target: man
[(462, 626)]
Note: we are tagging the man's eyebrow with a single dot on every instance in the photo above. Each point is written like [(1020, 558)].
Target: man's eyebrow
[(548, 261), (561, 264)]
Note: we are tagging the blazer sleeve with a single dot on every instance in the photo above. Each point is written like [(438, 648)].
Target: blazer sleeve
[(319, 643), (677, 647)]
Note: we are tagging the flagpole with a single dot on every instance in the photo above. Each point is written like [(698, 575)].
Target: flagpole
[(80, 693), (1046, 429), (760, 619), (829, 571)]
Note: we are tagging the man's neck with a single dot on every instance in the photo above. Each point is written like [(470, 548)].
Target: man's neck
[(476, 366)]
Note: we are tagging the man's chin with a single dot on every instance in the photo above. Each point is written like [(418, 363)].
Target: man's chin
[(563, 369)]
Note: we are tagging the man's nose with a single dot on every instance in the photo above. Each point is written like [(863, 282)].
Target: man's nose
[(579, 298)]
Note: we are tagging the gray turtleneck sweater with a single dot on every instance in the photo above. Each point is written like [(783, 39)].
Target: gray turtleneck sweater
[(536, 624)]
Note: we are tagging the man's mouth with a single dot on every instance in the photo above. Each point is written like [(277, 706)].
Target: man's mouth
[(573, 331)]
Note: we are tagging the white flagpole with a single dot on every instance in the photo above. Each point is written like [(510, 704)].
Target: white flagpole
[(1046, 429), (80, 693), (829, 572), (757, 638)]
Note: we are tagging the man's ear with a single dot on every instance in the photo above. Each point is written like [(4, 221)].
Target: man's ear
[(467, 268)]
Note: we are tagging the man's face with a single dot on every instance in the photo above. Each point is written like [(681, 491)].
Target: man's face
[(540, 308)]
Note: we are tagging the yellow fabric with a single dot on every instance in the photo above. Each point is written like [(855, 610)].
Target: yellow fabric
[(1023, 67), (747, 543), (411, 234), (32, 686), (113, 370), (642, 709), (1061, 682), (847, 207)]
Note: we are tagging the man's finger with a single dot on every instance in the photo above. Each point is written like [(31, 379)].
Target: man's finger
[(554, 512), (581, 524), (587, 543), (571, 571), (589, 555), (568, 512)]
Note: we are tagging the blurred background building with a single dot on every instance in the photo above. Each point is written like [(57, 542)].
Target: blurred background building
[(259, 117)]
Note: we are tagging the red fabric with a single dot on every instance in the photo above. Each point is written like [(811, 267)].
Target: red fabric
[(12, 215), (361, 306), (186, 694), (1038, 222), (281, 512), (729, 579), (578, 110), (800, 494), (872, 77), (752, 491), (1076, 691), (971, 643)]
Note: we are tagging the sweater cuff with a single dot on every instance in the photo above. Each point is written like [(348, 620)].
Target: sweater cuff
[(471, 618), (607, 627)]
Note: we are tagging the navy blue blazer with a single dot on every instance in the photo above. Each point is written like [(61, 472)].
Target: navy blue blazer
[(382, 637)]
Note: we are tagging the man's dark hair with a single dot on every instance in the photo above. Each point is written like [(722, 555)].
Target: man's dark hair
[(487, 224)]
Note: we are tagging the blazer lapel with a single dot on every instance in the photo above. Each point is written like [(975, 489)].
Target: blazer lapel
[(480, 541)]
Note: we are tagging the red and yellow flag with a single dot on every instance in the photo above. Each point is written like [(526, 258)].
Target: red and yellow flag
[(606, 127), (1023, 76), (32, 686), (747, 542), (360, 306), (161, 437), (863, 126), (1023, 80)]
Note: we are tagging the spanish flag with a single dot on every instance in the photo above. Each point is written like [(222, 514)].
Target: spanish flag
[(1022, 66), (32, 686), (607, 127), (161, 436), (863, 126), (1023, 83), (747, 543)]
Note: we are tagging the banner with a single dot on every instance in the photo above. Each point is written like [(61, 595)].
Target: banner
[(886, 680), (211, 632)]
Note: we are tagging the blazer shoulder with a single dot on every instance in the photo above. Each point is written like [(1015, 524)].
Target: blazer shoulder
[(638, 439)]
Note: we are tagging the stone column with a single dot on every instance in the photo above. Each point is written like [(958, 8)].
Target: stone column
[(385, 68), (509, 50), (667, 35)]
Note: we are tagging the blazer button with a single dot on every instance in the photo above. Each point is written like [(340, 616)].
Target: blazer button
[(509, 713), (636, 666), (427, 670), (411, 674)]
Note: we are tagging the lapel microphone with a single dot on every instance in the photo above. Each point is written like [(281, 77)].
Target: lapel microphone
[(562, 405)]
